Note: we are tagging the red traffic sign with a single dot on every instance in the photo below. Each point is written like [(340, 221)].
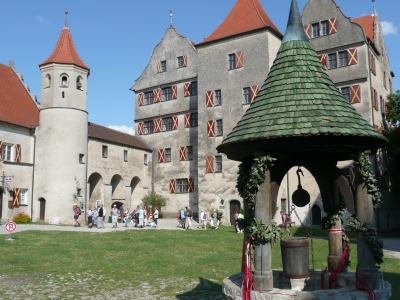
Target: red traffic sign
[(10, 226), (8, 179)]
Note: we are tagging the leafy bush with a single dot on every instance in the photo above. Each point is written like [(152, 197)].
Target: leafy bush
[(21, 218), (155, 200)]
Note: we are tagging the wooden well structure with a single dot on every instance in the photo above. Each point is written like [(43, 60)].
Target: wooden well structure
[(302, 119)]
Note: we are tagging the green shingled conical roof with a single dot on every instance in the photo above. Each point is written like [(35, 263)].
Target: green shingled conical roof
[(299, 109)]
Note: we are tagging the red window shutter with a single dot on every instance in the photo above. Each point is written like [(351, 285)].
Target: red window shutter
[(209, 164), (239, 60), (187, 120), (353, 56), (323, 59), (159, 67), (371, 65), (373, 100), (355, 94), (157, 95), (333, 26), (141, 99), (140, 128), (253, 92), (18, 153), (174, 92), (161, 156), (174, 123), (1, 150), (17, 196), (210, 128), (210, 99), (185, 60), (172, 184), (190, 185), (157, 125), (307, 29), (182, 153), (186, 88)]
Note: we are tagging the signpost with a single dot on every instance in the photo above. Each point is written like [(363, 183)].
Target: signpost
[(10, 227)]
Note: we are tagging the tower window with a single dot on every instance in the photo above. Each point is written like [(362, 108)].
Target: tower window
[(47, 81), (79, 83), (62, 94), (64, 80), (104, 150)]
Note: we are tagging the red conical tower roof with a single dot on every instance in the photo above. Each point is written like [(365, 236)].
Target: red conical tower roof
[(246, 15), (65, 52)]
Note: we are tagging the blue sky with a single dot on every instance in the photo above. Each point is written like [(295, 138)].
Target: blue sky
[(115, 38)]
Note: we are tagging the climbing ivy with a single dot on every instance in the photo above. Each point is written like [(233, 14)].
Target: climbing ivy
[(330, 220), (251, 176), (368, 178)]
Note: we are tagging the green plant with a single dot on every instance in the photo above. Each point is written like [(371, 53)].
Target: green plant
[(155, 200), (21, 218)]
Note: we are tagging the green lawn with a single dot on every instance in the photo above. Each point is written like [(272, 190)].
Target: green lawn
[(153, 264)]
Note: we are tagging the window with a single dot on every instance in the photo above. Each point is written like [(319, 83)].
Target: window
[(24, 197), (6, 155), (346, 93), (148, 127), (193, 120), (232, 61), (218, 164), (167, 124), (47, 81), (189, 152), (315, 30), (332, 61), (163, 66), (62, 95), (181, 185), (79, 83), (217, 100), (193, 88), (181, 62), (167, 155), (148, 98), (220, 130), (105, 151), (64, 81), (81, 156), (246, 95), (125, 155), (166, 94), (79, 192), (343, 59), (384, 79), (325, 28), (145, 161)]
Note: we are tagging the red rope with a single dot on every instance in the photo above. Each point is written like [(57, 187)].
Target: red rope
[(323, 278), (247, 278), (360, 285)]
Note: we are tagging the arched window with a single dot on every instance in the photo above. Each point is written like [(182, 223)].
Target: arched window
[(47, 81), (79, 84), (64, 80)]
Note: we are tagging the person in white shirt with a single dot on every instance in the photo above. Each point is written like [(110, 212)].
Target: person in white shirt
[(203, 219), (155, 216)]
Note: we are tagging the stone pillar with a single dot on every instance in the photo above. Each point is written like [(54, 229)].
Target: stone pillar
[(367, 271), (263, 278), (335, 235)]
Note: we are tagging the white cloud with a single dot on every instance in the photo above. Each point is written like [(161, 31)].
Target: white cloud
[(388, 28), (126, 129), (42, 20)]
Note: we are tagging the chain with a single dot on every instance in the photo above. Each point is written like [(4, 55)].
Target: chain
[(308, 233)]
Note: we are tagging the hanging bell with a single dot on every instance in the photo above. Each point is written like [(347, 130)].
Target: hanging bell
[(300, 197)]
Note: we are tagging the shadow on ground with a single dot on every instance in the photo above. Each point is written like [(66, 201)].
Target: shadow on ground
[(205, 289)]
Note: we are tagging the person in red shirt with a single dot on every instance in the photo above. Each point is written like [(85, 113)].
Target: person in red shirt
[(285, 220)]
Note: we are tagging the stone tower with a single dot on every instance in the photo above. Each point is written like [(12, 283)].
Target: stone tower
[(62, 137)]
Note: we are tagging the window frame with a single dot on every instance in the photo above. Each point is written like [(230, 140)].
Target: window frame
[(345, 94), (341, 59), (145, 159), (167, 155), (104, 151), (125, 155), (181, 186), (148, 127), (81, 157), (189, 152), (194, 121), (23, 197), (315, 30), (166, 124), (148, 98), (62, 85), (246, 95), (217, 98), (219, 127), (4, 154), (166, 93), (163, 66), (193, 88), (330, 61), (232, 61), (180, 62), (218, 164), (324, 28)]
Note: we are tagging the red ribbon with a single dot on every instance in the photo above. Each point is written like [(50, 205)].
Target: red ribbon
[(360, 285), (248, 283)]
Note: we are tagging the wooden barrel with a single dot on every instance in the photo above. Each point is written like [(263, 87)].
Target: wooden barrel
[(295, 258)]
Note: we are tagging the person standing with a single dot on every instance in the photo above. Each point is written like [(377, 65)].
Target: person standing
[(121, 213), (77, 213), (145, 216), (237, 221), (155, 216), (126, 214), (95, 216), (183, 218), (114, 216), (215, 219), (100, 218), (89, 214), (179, 219), (189, 218), (285, 225), (141, 216), (203, 219)]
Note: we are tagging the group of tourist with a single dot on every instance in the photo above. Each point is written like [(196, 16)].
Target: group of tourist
[(185, 216)]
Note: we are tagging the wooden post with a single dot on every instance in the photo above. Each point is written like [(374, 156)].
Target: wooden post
[(263, 279), (335, 235), (246, 233), (367, 271)]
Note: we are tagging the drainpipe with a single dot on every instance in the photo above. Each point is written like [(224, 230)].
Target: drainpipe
[(86, 169), (33, 132), (288, 191)]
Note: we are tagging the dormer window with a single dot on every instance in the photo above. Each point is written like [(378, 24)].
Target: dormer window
[(47, 81), (79, 83), (64, 80)]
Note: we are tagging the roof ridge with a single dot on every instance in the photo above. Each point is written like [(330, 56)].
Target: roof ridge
[(259, 13), (112, 129)]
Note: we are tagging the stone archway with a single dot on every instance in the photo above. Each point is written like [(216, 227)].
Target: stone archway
[(96, 189), (136, 192), (117, 188), (234, 206), (42, 209)]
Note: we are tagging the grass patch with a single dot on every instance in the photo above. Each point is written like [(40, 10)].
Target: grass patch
[(162, 264)]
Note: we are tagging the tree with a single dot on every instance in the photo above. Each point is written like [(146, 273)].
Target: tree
[(393, 116), (155, 200)]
